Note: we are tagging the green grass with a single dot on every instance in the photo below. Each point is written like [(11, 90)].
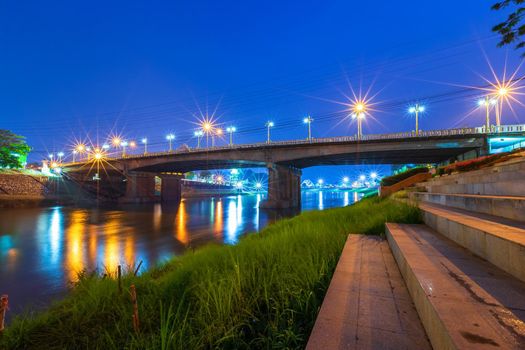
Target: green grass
[(264, 292)]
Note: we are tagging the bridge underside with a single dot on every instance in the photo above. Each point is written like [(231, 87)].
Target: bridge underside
[(284, 162)]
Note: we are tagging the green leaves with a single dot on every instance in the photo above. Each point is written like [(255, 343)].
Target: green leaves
[(13, 149), (512, 28)]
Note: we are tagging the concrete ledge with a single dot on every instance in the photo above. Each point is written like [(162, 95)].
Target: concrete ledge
[(367, 305), (498, 240), (462, 301), (510, 207)]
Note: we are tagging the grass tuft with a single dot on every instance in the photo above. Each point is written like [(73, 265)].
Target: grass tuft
[(265, 292)]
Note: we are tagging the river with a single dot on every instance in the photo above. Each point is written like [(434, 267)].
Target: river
[(43, 249)]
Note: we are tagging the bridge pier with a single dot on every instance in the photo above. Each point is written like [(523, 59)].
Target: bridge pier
[(140, 188), (171, 187), (284, 188)]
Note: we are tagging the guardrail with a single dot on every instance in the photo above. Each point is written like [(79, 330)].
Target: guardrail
[(372, 137)]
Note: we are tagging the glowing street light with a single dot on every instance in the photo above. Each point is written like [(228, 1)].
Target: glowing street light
[(239, 185), (320, 182), (51, 156), (308, 120), (198, 134), (346, 179), (416, 110), (258, 185), (362, 177), (74, 155), (116, 141), (231, 130), (373, 175), (269, 124), (487, 102), (105, 147), (170, 138), (60, 155), (219, 179)]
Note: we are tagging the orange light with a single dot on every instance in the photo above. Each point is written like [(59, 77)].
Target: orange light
[(219, 132), (116, 141)]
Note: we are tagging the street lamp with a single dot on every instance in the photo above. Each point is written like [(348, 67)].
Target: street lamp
[(124, 144), (359, 109), (320, 182), (501, 93), (269, 124), (373, 175), (346, 179), (217, 132), (170, 138), (74, 155), (198, 134), (51, 156), (145, 143), (258, 185), (487, 102), (308, 120), (60, 155), (231, 130), (416, 110)]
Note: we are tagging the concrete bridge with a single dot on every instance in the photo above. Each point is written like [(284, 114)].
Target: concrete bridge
[(284, 160)]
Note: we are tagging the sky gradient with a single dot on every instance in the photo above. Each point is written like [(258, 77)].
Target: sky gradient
[(147, 68)]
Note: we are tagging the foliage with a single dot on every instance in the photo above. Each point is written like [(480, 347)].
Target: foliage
[(513, 28), (477, 163), (13, 149), (391, 180), (263, 293)]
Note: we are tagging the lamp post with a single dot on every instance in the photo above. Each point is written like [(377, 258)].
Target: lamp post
[(170, 138), (145, 143), (217, 132), (231, 130), (359, 109), (124, 144), (308, 120), (501, 93), (269, 125), (74, 155), (198, 134), (207, 128), (416, 110), (487, 102), (60, 155)]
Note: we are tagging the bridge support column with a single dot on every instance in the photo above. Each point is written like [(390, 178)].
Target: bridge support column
[(140, 188), (284, 188), (171, 188)]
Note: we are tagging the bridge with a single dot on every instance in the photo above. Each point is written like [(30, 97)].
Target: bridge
[(132, 177)]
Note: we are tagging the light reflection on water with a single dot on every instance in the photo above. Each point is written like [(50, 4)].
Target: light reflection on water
[(43, 249)]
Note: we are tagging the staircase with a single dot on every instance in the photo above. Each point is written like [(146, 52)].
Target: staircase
[(465, 268)]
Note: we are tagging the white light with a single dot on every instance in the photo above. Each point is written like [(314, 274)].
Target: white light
[(231, 129), (105, 146), (51, 155), (362, 177), (412, 110), (238, 184), (60, 154), (144, 140), (170, 137), (258, 185), (124, 143), (198, 133), (354, 115), (320, 181), (481, 102), (270, 124), (346, 179), (373, 175)]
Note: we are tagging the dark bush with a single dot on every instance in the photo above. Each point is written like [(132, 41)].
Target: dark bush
[(391, 180)]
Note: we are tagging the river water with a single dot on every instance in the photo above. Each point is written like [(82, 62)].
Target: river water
[(43, 249)]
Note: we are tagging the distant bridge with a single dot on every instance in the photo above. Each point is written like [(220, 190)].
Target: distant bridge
[(285, 159)]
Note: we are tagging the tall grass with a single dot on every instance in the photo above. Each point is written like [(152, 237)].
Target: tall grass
[(264, 292)]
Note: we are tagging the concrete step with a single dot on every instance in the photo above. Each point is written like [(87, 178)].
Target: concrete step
[(514, 187), (367, 305), (502, 179), (463, 301), (498, 240), (510, 207)]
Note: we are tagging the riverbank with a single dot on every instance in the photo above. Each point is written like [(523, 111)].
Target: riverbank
[(263, 292)]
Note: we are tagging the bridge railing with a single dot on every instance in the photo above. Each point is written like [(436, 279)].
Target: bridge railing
[(371, 137)]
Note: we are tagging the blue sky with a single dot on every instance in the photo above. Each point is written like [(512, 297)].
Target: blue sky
[(146, 68)]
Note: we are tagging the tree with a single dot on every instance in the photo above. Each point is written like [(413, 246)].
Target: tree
[(513, 28), (13, 149)]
